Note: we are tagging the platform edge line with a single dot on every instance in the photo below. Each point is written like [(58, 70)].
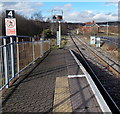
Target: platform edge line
[(103, 105)]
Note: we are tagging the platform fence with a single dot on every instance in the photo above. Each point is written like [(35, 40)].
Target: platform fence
[(17, 53)]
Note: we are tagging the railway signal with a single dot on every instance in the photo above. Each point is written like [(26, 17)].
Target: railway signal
[(57, 16)]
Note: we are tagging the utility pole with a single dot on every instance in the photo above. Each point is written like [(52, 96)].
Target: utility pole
[(107, 27)]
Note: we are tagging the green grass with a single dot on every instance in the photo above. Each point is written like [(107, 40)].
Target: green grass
[(104, 34), (63, 42)]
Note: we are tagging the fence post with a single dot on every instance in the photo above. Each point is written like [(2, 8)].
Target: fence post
[(41, 47), (18, 57), (33, 41), (5, 63), (1, 64), (49, 45), (12, 57)]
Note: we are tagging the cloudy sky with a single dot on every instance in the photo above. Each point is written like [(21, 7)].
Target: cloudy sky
[(82, 11)]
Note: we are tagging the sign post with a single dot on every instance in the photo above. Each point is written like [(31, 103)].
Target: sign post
[(10, 23), (58, 17), (58, 41)]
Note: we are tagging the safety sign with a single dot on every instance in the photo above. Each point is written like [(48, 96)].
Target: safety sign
[(92, 39), (10, 24), (98, 42)]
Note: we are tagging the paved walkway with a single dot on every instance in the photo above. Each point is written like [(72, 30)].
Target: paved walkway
[(48, 88)]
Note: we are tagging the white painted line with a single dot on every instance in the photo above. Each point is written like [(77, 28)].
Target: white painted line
[(75, 76), (103, 105)]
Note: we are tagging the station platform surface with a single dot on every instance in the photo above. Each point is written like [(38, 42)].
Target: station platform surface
[(57, 84)]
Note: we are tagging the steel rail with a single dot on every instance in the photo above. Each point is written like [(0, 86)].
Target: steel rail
[(110, 68), (114, 108)]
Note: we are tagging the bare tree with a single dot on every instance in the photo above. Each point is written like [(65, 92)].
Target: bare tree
[(37, 16)]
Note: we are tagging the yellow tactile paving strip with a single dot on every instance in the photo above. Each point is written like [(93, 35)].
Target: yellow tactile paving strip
[(62, 101)]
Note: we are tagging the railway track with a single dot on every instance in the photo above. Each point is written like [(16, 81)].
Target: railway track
[(106, 64), (106, 82)]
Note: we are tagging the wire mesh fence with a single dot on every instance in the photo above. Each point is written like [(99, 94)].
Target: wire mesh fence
[(8, 47), (17, 54)]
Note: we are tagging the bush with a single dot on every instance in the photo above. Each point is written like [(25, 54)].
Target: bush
[(47, 33)]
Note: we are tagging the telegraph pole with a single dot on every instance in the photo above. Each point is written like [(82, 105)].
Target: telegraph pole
[(107, 27)]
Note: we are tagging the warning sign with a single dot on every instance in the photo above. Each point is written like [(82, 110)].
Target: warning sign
[(10, 24), (98, 42), (92, 39)]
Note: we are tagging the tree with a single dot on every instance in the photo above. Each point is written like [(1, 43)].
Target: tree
[(37, 16), (46, 33)]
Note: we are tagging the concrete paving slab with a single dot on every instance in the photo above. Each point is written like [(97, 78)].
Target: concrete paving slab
[(48, 89), (82, 97)]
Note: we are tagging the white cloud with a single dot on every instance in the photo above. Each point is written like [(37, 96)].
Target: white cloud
[(59, 0), (1, 7), (74, 14), (65, 8), (85, 16), (105, 17), (27, 8), (39, 4), (112, 1), (82, 16), (24, 8), (67, 5)]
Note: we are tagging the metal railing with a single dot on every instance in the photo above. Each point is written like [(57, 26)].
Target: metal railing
[(17, 53)]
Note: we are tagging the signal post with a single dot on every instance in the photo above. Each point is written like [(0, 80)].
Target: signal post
[(57, 16)]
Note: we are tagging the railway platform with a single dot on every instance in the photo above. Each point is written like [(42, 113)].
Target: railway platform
[(58, 84)]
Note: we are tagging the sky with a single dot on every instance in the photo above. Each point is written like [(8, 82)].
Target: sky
[(73, 11)]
